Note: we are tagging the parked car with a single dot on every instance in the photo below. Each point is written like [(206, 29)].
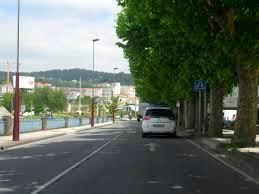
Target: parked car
[(159, 120)]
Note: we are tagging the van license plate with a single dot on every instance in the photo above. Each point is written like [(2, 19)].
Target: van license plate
[(158, 125)]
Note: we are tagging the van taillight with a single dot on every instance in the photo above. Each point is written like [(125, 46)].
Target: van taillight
[(171, 118), (146, 118)]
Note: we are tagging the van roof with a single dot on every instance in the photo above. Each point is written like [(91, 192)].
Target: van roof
[(159, 107)]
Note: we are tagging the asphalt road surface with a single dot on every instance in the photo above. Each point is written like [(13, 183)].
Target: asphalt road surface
[(116, 160)]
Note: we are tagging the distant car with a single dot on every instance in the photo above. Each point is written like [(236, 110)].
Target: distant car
[(159, 120), (117, 117)]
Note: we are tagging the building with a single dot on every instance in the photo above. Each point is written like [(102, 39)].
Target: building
[(42, 85), (4, 89), (128, 91), (116, 89), (98, 92), (230, 104)]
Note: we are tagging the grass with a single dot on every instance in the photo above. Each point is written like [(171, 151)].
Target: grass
[(231, 148)]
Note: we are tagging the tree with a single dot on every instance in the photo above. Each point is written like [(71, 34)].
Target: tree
[(28, 99), (7, 101), (167, 51), (112, 106), (168, 41), (44, 98)]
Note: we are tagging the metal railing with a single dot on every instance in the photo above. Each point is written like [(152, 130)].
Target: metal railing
[(32, 125)]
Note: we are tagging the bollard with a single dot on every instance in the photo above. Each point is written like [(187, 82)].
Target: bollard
[(97, 120), (44, 121), (80, 121), (66, 122), (8, 125)]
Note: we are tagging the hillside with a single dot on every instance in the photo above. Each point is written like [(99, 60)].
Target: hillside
[(66, 77)]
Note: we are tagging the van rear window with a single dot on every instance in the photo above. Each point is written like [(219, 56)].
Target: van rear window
[(159, 113)]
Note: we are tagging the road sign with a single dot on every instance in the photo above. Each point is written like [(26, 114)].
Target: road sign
[(178, 104), (199, 85), (152, 146)]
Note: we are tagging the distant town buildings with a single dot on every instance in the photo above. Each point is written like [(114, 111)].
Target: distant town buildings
[(4, 89), (42, 84), (104, 91)]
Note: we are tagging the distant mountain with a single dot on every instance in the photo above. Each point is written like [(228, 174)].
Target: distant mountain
[(69, 77)]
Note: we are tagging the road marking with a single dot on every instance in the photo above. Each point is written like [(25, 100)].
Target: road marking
[(176, 187), (242, 173), (35, 142), (152, 182), (62, 174), (152, 146), (51, 138), (6, 190)]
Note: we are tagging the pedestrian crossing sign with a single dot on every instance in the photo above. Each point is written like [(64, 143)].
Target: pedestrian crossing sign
[(199, 85)]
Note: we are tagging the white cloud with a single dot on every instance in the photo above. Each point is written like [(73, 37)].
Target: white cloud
[(58, 34)]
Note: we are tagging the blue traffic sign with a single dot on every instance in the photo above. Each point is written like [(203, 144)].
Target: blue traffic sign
[(199, 85)]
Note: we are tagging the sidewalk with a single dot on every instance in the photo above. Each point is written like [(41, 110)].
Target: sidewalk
[(25, 138), (244, 159), (215, 143)]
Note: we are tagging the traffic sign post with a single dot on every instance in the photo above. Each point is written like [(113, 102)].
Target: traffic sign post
[(178, 104), (200, 110), (200, 86)]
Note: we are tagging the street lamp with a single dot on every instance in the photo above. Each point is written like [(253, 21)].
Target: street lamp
[(116, 68), (93, 87), (113, 89), (16, 126)]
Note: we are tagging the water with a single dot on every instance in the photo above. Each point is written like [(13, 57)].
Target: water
[(1, 128), (36, 125)]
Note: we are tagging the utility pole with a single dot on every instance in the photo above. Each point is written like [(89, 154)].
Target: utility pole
[(93, 86), (16, 126), (114, 80), (7, 63), (80, 102)]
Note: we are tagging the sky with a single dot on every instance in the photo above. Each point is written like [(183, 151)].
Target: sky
[(58, 34)]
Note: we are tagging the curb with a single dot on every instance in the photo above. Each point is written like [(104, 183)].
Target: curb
[(76, 129), (244, 161), (213, 144), (217, 146), (5, 148)]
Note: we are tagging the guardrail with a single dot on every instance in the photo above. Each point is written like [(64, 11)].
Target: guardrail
[(31, 125)]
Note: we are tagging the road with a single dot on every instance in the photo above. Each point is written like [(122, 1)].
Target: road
[(116, 160)]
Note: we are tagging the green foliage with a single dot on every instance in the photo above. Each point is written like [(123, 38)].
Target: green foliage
[(7, 101), (112, 105), (169, 44), (64, 78), (54, 100), (28, 98)]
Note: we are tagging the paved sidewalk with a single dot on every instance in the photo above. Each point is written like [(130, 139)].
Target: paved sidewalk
[(217, 142), (6, 141)]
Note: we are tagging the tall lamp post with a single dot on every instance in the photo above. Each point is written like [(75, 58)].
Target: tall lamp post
[(16, 126), (80, 97), (93, 87), (114, 80)]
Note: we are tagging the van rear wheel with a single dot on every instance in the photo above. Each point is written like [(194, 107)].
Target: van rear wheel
[(173, 134)]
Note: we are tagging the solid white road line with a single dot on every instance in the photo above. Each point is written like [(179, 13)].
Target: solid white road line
[(34, 142), (48, 139), (62, 174), (242, 173)]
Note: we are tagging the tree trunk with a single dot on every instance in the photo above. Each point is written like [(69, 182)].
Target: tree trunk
[(216, 112), (192, 112), (113, 117), (196, 111), (185, 108), (245, 125)]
